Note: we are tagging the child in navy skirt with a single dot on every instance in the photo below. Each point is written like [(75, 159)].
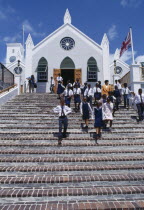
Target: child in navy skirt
[(86, 110), (98, 119), (60, 89)]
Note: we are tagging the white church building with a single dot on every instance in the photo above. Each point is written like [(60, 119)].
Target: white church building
[(67, 51)]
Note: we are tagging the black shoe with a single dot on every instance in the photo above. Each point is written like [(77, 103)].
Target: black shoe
[(64, 135), (86, 127)]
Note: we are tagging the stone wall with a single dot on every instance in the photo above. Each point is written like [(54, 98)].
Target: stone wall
[(8, 95)]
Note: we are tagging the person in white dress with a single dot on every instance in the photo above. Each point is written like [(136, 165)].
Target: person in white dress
[(108, 112)]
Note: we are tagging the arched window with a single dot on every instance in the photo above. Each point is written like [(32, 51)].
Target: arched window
[(67, 63), (92, 70), (42, 70)]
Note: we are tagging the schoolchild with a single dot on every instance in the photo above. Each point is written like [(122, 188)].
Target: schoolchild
[(77, 97), (108, 112), (68, 93), (60, 89), (89, 94), (117, 95), (98, 119), (76, 83), (97, 92), (84, 88), (126, 94), (86, 111), (62, 111)]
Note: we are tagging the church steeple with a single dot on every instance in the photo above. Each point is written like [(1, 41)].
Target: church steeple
[(29, 42), (67, 17)]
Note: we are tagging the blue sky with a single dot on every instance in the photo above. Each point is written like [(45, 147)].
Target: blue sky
[(93, 17)]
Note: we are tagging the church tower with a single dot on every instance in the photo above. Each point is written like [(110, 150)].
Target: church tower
[(105, 50), (15, 52), (28, 56)]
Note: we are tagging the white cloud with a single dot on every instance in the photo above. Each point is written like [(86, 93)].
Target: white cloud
[(139, 58), (29, 29), (112, 32), (11, 39), (6, 12), (131, 3), (127, 56)]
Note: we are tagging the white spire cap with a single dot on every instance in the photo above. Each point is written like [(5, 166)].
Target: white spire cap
[(29, 42), (67, 17), (105, 40), (117, 54)]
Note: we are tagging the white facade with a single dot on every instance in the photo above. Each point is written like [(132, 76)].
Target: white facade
[(50, 49)]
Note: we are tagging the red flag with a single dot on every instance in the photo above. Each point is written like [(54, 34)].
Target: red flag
[(126, 44)]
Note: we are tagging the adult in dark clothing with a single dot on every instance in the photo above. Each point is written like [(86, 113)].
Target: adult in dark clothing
[(31, 81)]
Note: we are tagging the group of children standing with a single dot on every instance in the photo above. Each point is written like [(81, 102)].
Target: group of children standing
[(101, 109)]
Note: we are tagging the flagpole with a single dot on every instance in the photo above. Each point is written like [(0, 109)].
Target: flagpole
[(23, 37), (133, 60)]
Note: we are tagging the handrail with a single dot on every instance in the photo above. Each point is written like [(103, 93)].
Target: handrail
[(7, 89)]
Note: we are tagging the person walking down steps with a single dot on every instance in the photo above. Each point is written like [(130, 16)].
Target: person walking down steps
[(62, 111), (98, 123), (86, 111)]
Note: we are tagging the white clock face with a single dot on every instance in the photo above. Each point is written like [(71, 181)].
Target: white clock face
[(67, 43), (12, 59), (118, 70)]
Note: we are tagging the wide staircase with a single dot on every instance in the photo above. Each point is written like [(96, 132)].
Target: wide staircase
[(36, 174)]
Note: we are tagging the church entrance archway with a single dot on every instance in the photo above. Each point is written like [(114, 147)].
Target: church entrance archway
[(67, 70)]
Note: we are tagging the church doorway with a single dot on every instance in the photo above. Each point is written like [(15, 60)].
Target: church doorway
[(67, 74)]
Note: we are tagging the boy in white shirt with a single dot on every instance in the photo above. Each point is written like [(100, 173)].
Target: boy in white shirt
[(89, 94), (68, 93), (139, 101), (62, 111)]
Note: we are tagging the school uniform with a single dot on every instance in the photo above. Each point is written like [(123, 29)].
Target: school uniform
[(117, 95), (89, 95), (85, 110), (106, 89), (107, 111), (98, 117), (62, 111), (139, 101), (60, 89), (126, 93), (97, 93), (83, 90), (68, 93), (76, 83), (59, 79), (77, 93)]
